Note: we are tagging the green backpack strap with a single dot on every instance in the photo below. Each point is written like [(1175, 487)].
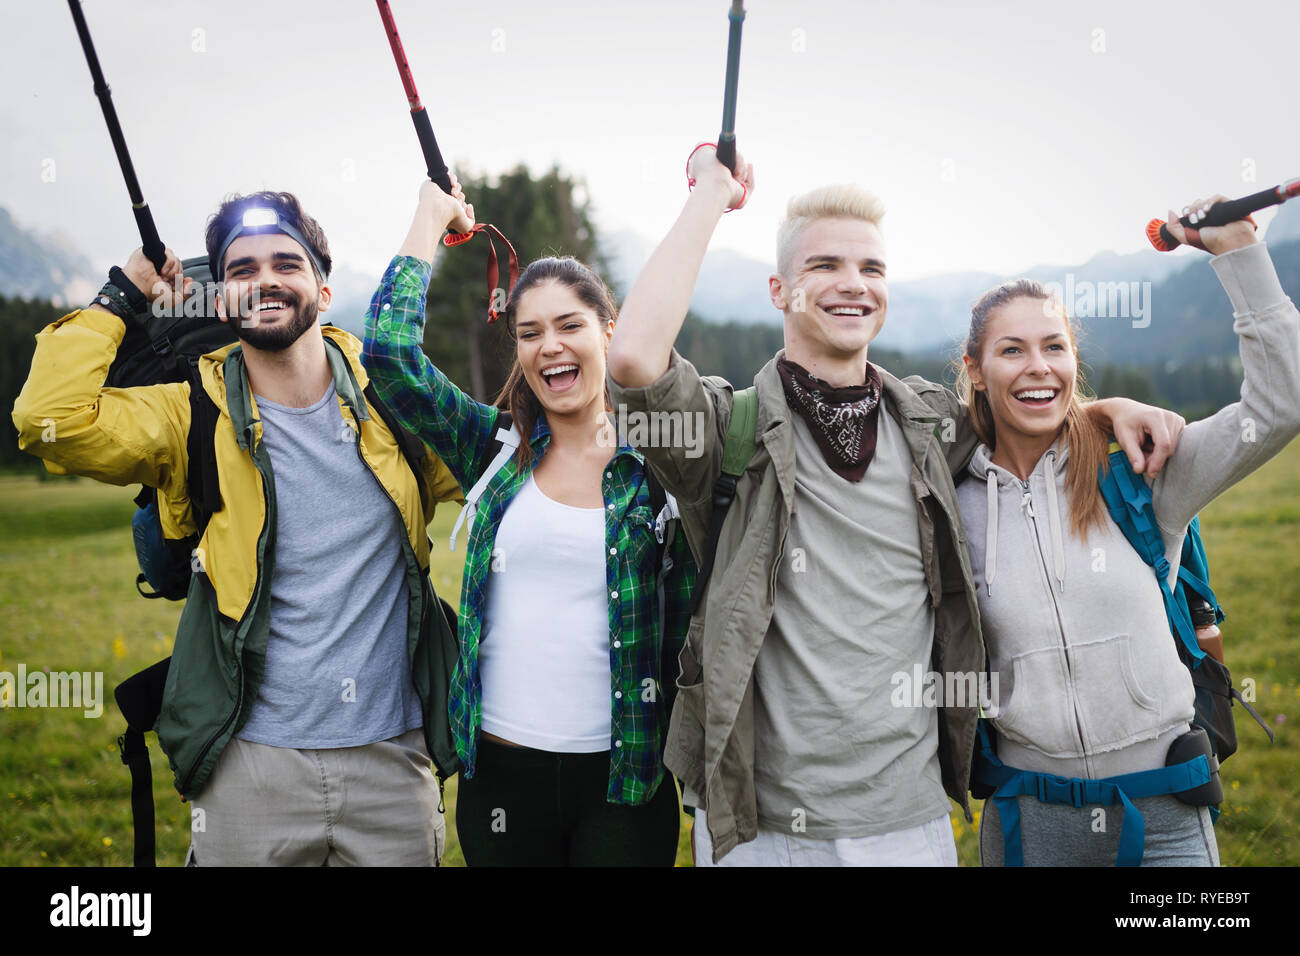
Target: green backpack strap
[(736, 453), (741, 440)]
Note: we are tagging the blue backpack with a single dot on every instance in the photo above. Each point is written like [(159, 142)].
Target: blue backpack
[(1195, 779)]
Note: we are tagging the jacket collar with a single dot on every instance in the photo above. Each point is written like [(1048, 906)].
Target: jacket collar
[(225, 377)]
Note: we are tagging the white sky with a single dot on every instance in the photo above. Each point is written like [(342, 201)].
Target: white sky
[(996, 135)]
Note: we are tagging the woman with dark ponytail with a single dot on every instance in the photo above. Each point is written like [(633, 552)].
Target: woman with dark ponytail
[(560, 700), (1092, 698)]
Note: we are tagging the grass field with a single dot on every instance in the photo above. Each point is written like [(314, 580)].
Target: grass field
[(68, 602)]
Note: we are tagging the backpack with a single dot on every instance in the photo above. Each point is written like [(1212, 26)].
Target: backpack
[(1128, 498), (159, 349), (156, 349), (1192, 772)]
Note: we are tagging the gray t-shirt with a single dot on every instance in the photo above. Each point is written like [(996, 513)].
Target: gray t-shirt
[(833, 757), (337, 672)]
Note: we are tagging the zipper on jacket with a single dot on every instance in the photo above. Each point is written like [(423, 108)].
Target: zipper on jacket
[(1027, 503), (252, 604)]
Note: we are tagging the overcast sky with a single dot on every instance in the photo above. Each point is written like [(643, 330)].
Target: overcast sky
[(1000, 135)]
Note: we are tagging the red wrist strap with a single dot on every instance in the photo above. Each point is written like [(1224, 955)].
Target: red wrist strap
[(493, 273), (690, 182)]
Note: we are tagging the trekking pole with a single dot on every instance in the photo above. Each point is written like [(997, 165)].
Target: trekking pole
[(1222, 213), (437, 169), (153, 247), (727, 138)]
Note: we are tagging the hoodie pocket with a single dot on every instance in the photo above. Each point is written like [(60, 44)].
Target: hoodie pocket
[(1039, 713), (1115, 708)]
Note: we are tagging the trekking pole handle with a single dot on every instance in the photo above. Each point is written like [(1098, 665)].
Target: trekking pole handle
[(151, 244), (433, 160)]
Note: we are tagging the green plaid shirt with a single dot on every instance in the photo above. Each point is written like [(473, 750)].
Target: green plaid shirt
[(642, 649)]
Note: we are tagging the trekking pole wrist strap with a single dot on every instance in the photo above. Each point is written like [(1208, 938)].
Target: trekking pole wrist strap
[(134, 297)]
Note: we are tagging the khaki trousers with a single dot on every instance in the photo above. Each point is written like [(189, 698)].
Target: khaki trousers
[(375, 805)]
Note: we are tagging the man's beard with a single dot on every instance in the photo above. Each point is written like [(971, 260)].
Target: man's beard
[(279, 337)]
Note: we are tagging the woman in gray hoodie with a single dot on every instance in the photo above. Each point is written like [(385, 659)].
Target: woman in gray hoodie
[(1089, 682)]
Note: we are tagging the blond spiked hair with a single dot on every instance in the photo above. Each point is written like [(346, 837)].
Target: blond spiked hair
[(844, 201)]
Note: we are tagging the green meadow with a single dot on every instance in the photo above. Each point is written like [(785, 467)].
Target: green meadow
[(68, 602)]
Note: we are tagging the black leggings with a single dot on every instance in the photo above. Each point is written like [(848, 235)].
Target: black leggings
[(526, 807)]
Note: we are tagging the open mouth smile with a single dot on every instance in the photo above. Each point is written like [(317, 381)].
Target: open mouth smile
[(1036, 397), (848, 311), (560, 378)]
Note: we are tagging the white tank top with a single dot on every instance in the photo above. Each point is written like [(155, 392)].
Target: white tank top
[(544, 656)]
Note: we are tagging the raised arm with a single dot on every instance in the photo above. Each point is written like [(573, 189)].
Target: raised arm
[(455, 426), (653, 313), (647, 376), (67, 417), (1217, 452)]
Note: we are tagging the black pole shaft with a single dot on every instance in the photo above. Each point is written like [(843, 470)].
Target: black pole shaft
[(727, 138), (153, 247)]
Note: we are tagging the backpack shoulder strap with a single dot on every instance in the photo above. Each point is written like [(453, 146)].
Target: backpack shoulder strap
[(1129, 501), (738, 449), (1194, 569), (741, 440), (201, 450), (505, 440)]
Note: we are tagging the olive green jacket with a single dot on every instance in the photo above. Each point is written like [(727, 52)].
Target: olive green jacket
[(711, 737)]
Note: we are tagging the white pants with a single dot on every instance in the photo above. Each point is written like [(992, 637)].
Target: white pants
[(930, 844)]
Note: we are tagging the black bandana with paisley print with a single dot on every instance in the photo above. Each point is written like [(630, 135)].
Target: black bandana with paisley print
[(842, 420)]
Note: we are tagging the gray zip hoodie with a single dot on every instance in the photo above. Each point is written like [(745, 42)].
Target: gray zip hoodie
[(1089, 680)]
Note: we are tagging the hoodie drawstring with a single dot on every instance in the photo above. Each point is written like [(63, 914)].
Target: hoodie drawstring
[(991, 533)]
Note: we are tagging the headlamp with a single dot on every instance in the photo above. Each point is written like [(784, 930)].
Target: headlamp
[(258, 220)]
